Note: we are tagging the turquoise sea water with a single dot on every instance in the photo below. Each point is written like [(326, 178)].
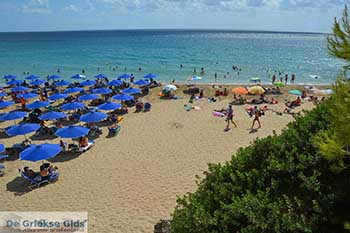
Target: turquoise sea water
[(162, 51)]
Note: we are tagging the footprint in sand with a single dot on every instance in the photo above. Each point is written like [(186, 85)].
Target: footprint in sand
[(175, 125)]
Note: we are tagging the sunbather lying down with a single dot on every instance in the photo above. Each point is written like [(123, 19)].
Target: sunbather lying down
[(85, 144), (190, 107), (47, 173)]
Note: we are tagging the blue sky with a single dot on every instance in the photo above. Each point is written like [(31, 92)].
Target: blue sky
[(277, 15)]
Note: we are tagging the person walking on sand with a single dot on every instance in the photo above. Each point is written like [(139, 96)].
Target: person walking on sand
[(256, 114), (229, 118)]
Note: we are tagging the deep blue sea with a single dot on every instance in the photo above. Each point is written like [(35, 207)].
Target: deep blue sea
[(257, 54)]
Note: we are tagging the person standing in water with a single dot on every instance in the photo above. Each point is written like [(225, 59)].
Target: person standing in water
[(293, 78), (229, 118), (216, 77), (286, 79)]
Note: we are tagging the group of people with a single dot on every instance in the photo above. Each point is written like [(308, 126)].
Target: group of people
[(285, 79)]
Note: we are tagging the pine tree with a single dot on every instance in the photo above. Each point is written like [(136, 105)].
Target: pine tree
[(339, 41), (334, 144)]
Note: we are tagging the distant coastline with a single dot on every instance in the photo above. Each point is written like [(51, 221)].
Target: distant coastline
[(171, 30)]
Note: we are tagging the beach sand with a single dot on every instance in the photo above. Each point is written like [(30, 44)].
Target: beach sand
[(129, 182)]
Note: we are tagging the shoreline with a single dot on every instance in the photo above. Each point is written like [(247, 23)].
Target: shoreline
[(247, 84)]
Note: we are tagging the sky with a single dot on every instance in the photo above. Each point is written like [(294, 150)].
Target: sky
[(268, 15)]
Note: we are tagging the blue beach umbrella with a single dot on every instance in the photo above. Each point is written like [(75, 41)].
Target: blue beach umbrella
[(28, 95), (22, 129), (131, 91), (9, 76), (52, 116), (2, 148), (73, 90), (5, 104), (108, 106), (78, 76), (62, 83), (32, 77), (115, 83), (122, 97), (93, 117), (36, 153), (37, 82), (125, 76), (150, 76), (58, 96), (102, 91), (295, 92), (100, 76), (14, 115), (88, 83), (88, 97), (2, 94), (53, 77), (38, 104), (141, 82), (72, 131), (14, 82), (19, 88), (72, 106)]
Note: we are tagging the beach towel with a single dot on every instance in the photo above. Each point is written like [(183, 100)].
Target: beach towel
[(218, 114), (187, 107)]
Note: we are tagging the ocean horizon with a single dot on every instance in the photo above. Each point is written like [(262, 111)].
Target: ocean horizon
[(234, 55)]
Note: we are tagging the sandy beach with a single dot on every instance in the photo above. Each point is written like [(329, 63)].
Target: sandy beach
[(129, 182)]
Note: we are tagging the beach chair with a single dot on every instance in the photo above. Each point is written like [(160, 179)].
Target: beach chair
[(3, 157), (94, 132), (147, 107), (36, 182), (2, 169), (114, 131)]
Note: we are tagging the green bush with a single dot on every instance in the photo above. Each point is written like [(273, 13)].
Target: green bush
[(277, 184)]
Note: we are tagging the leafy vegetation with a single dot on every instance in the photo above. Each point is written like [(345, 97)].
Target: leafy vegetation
[(339, 41)]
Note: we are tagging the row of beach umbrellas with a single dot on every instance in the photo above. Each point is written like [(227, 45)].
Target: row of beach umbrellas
[(258, 90), (46, 151), (79, 76)]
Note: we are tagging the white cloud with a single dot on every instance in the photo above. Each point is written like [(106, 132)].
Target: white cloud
[(37, 7), (72, 7), (274, 4), (215, 5)]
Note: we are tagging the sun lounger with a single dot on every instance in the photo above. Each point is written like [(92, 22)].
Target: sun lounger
[(3, 157), (90, 144), (2, 168), (37, 181), (147, 107), (114, 131)]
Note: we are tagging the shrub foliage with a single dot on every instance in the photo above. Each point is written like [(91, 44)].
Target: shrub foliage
[(277, 184)]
